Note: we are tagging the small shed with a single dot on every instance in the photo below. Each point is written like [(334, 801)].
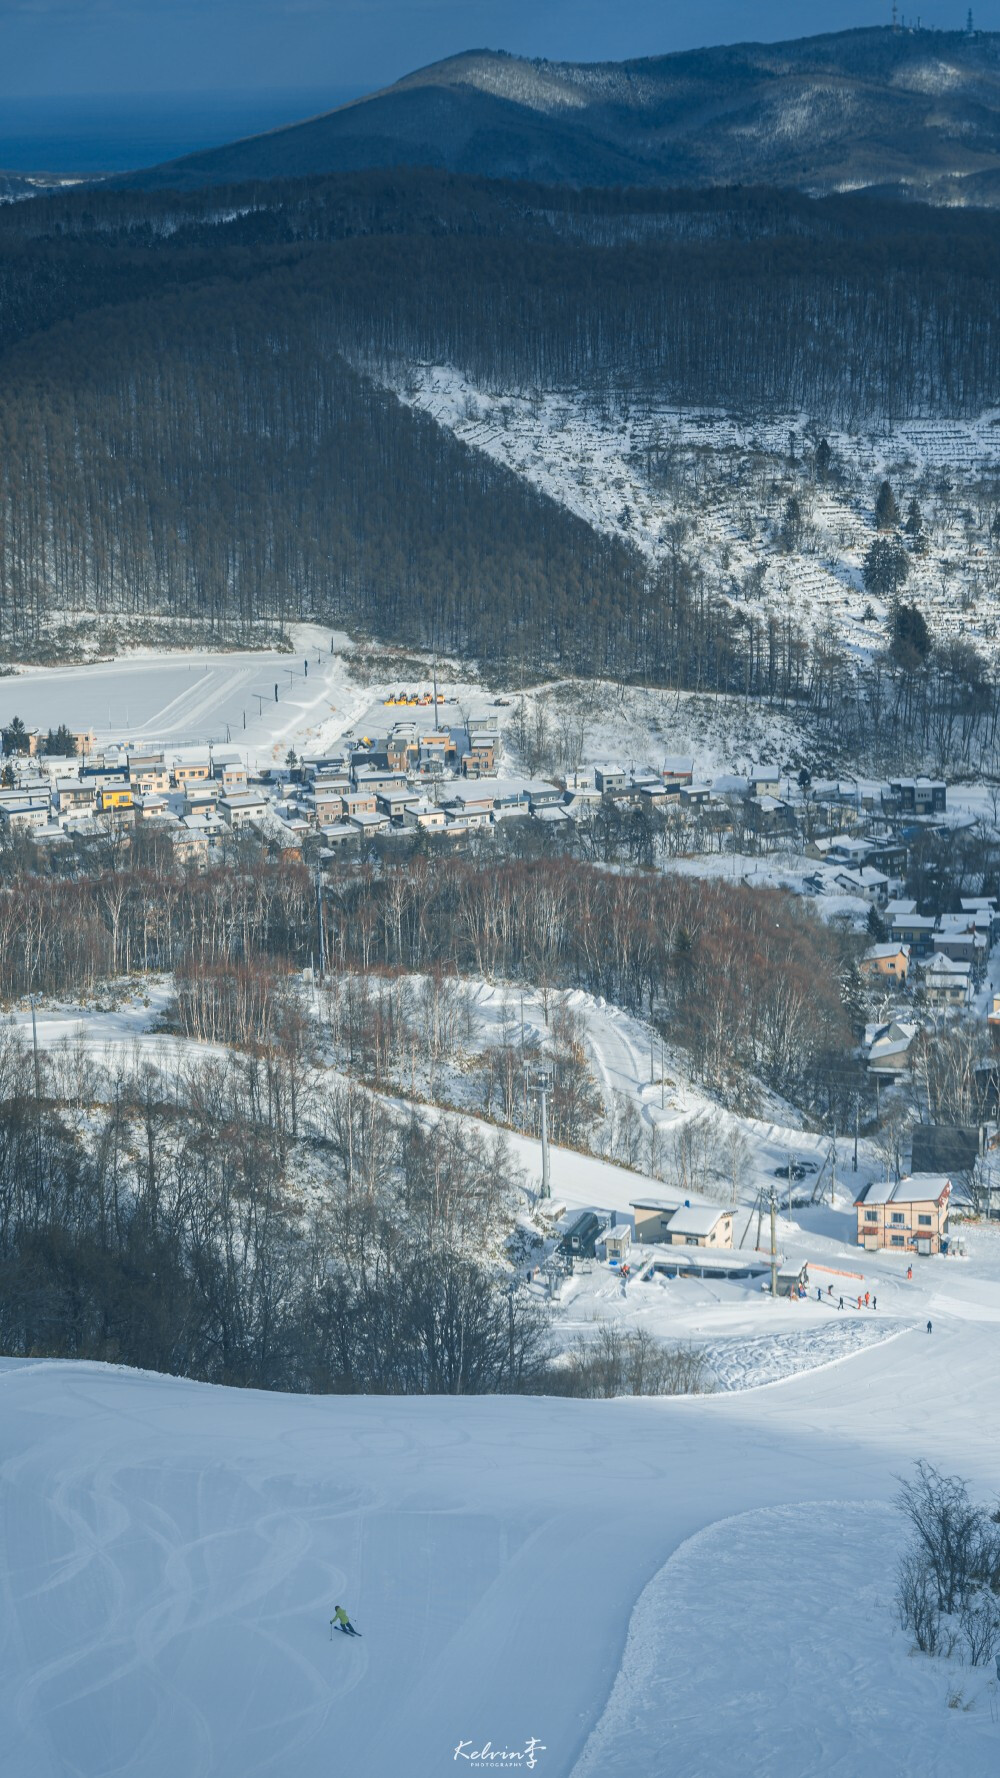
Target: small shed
[(617, 1243), (792, 1278)]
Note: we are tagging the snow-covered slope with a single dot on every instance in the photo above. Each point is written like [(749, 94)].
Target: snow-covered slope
[(660, 477), (172, 1555)]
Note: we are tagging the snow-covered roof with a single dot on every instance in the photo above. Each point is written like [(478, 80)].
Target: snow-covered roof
[(696, 1219), (945, 966), (876, 951), (914, 1188)]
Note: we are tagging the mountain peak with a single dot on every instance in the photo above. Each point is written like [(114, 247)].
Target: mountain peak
[(909, 111)]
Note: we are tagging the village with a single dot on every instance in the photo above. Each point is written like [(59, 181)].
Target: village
[(425, 766)]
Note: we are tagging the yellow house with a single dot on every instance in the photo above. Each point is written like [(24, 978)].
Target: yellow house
[(116, 796), (910, 1214), (892, 960)]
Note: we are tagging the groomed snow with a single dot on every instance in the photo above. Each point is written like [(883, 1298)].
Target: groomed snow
[(172, 1554), (792, 1602)]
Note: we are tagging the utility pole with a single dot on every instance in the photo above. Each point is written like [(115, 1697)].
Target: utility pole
[(652, 1046), (34, 1046), (542, 1085), (662, 1088), (857, 1117), (774, 1244), (546, 1187), (319, 924), (833, 1168)]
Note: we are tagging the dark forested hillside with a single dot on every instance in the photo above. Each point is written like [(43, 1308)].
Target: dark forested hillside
[(192, 416)]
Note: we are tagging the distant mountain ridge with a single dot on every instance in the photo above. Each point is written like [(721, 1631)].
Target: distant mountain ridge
[(906, 112)]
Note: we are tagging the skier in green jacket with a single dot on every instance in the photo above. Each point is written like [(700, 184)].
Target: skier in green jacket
[(341, 1621)]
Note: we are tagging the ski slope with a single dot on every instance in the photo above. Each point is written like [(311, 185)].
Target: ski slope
[(172, 1554)]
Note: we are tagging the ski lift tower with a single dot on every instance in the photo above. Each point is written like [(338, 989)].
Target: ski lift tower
[(541, 1083)]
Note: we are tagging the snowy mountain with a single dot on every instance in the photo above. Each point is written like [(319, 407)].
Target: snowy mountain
[(906, 111)]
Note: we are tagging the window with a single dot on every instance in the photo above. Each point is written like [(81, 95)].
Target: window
[(871, 1216), (690, 1240), (898, 1217), (925, 1222), (897, 1240)]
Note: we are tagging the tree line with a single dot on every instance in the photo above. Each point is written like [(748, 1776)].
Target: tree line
[(749, 982)]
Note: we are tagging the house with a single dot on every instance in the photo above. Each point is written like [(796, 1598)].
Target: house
[(76, 794), (149, 805), (910, 1213), (358, 802), (693, 795), (542, 795), (682, 1222), (368, 822), (243, 807), (677, 770), (947, 984), (424, 814), (324, 803), (700, 1225), (869, 884), (148, 773), (891, 961), (394, 803), (471, 799), (114, 798), (764, 780), (609, 777), (889, 1055), (510, 797), (192, 767), (961, 947), (341, 833), (915, 930), (582, 799), (201, 797), (233, 776), (481, 756), (770, 814), (438, 748), (888, 856), (917, 796), (24, 814)]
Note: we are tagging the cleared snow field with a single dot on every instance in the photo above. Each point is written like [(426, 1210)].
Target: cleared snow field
[(200, 695)]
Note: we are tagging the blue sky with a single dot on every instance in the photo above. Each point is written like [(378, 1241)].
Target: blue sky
[(140, 46)]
